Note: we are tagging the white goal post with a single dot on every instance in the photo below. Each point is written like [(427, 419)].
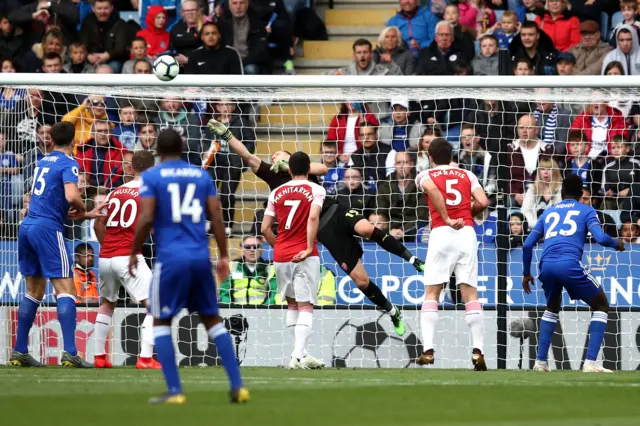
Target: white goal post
[(291, 113)]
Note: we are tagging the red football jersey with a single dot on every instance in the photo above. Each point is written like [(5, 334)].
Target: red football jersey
[(122, 216), (456, 186), (290, 204)]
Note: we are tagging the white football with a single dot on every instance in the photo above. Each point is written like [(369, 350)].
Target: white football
[(166, 68)]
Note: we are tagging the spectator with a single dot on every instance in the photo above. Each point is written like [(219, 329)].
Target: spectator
[(522, 66), (379, 220), (537, 47), (565, 63), (31, 157), (472, 157), (78, 60), (213, 57), (101, 156), (630, 232), (614, 68), (608, 224), (363, 63), (517, 229), (8, 169), (629, 11), (400, 134), (10, 97), (138, 52), (352, 194), (486, 62), (141, 66), (125, 173), (155, 33), (626, 51), (529, 11), (38, 17), (51, 43), (19, 125), (185, 34), (401, 201), (52, 63), (227, 166), (524, 154), (370, 157), (12, 41), (344, 128), (175, 116), (554, 122), (252, 281), (440, 57), (485, 18), (591, 50), (275, 19), (560, 24), (93, 108), (243, 31), (127, 129), (580, 164), (600, 123), (468, 13), (84, 277), (147, 134), (486, 226), (172, 9), (506, 29), (464, 37), (619, 176), (391, 49), (416, 23), (544, 192), (495, 122), (335, 172), (105, 35), (422, 163)]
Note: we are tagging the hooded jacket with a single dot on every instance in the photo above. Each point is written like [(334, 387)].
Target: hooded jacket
[(616, 126), (630, 61), (82, 119), (544, 60), (421, 26), (158, 39)]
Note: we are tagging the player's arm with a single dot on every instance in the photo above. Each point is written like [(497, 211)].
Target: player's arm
[(78, 210), (221, 130), (480, 201), (266, 229), (318, 169), (435, 196), (100, 228), (217, 227), (144, 225), (527, 255), (594, 226)]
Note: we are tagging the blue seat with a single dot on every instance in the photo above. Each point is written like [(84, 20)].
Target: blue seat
[(498, 14), (615, 215), (604, 26), (616, 19), (130, 16)]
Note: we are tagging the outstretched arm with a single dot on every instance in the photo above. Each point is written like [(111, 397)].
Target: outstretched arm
[(221, 130)]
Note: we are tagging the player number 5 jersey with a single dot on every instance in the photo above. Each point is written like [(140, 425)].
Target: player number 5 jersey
[(122, 215), (290, 204), (456, 186)]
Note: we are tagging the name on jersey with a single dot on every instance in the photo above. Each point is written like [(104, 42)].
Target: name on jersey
[(183, 172), (51, 159), (127, 191), (448, 172), (564, 205), (292, 190)]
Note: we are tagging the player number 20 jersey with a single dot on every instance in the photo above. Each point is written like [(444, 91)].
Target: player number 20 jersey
[(290, 204), (122, 215)]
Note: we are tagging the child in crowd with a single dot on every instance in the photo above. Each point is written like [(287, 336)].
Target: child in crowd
[(78, 64), (332, 181), (156, 35), (619, 174), (629, 9), (530, 10), (580, 163), (517, 228), (138, 52), (630, 233), (127, 129), (522, 66), (486, 62), (506, 29)]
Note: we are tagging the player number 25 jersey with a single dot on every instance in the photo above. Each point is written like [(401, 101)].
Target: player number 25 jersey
[(122, 215), (290, 204), (456, 186)]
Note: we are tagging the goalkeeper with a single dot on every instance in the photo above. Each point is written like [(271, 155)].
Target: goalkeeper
[(337, 226)]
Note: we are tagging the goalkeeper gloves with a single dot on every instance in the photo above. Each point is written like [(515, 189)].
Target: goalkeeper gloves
[(280, 166), (219, 129)]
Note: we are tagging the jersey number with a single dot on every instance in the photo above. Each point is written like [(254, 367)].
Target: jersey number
[(124, 223), (294, 206), (38, 180), (449, 189), (189, 206), (554, 218)]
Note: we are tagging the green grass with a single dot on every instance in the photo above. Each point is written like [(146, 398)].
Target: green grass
[(118, 397)]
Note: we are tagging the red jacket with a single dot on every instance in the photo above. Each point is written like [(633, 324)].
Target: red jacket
[(616, 127), (338, 128), (157, 39), (564, 31), (103, 168)]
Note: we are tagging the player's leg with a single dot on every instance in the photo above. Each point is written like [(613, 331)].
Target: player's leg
[(428, 322), (306, 280), (367, 230), (553, 294), (101, 330), (591, 293)]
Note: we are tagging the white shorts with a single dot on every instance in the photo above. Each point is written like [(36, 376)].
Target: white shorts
[(114, 272), (299, 281), (452, 251)]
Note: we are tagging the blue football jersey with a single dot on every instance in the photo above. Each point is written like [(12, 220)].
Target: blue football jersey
[(48, 206), (181, 192)]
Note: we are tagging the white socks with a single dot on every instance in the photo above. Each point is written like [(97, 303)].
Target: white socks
[(146, 337), (292, 320), (475, 321), (302, 331), (428, 322), (101, 331)]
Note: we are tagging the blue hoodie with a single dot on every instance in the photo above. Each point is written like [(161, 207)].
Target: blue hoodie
[(127, 135), (421, 27)]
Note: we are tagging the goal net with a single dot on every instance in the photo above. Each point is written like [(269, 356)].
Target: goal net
[(518, 136)]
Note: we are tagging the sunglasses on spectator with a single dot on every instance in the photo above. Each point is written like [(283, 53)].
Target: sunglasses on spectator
[(97, 103), (252, 246)]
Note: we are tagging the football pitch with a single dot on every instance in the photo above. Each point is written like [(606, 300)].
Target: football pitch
[(118, 397)]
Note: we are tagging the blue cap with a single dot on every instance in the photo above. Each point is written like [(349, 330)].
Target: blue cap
[(566, 56)]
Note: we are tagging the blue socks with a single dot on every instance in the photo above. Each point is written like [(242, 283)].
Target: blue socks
[(597, 326), (67, 318), (26, 315), (167, 357), (547, 327), (220, 336)]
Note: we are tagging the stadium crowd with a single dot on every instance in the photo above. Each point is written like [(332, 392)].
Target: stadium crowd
[(373, 151)]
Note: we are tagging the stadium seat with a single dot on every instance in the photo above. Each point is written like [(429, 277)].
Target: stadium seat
[(615, 215), (498, 14), (616, 19), (130, 16), (604, 26)]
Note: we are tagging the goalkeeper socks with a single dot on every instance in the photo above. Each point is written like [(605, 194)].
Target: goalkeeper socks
[(101, 329), (475, 321), (428, 322), (597, 326), (547, 327), (303, 330), (220, 336), (146, 337), (26, 314), (67, 319), (374, 294), (167, 358), (390, 244)]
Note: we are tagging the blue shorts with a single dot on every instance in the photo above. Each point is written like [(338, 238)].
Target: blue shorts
[(183, 283), (43, 252), (571, 275)]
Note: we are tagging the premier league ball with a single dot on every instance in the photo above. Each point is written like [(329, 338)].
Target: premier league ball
[(166, 68)]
